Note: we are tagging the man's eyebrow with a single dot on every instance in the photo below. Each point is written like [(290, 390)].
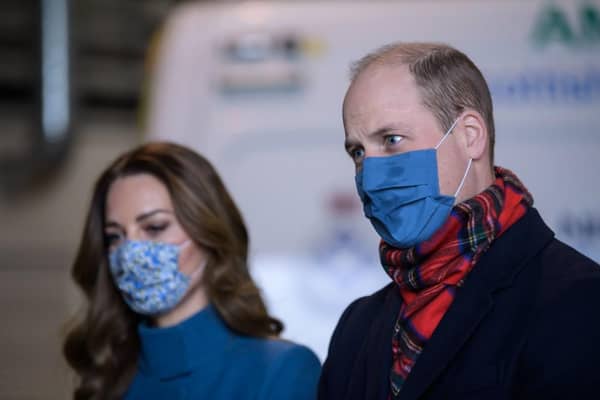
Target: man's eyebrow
[(349, 144), (387, 128)]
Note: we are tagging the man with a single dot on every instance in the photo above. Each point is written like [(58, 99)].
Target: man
[(484, 302)]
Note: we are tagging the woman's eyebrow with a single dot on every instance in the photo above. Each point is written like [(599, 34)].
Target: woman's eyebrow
[(149, 214), (112, 224)]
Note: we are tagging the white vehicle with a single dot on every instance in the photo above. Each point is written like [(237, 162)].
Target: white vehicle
[(257, 88)]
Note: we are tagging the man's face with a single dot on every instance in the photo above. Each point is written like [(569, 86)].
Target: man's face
[(384, 115)]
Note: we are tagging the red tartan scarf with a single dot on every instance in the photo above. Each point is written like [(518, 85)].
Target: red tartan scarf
[(428, 273)]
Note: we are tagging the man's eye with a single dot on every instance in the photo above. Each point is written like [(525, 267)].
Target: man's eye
[(392, 139), (357, 154)]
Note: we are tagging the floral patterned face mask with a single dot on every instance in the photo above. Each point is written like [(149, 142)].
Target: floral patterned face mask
[(148, 276)]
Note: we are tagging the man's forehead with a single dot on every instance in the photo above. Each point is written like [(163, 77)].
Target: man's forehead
[(384, 86), (381, 75)]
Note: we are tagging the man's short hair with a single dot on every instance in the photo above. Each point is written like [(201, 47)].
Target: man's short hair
[(449, 82)]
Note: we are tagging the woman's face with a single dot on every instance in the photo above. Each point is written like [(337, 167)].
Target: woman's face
[(139, 207)]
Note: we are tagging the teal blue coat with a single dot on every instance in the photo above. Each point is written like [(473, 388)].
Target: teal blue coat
[(201, 358)]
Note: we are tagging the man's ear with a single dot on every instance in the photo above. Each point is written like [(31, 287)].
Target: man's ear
[(475, 134)]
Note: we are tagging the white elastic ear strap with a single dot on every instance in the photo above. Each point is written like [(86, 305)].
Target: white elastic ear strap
[(462, 182), (447, 133), (199, 269), (201, 266)]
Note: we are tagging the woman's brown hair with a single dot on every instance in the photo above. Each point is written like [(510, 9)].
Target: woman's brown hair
[(103, 347)]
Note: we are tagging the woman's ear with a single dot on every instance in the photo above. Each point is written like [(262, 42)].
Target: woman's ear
[(475, 134)]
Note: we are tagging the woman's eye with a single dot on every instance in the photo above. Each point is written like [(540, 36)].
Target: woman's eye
[(111, 239), (155, 229), (392, 139)]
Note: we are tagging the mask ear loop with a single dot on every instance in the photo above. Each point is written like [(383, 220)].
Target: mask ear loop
[(447, 133), (462, 182), (200, 267), (198, 270)]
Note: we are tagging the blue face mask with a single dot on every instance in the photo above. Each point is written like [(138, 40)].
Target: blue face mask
[(147, 274), (401, 195)]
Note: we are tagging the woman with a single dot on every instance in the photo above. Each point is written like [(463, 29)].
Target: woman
[(172, 311)]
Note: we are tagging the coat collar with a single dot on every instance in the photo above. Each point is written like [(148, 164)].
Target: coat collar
[(496, 269), (180, 349)]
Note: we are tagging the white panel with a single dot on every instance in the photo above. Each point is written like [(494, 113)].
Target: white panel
[(270, 121)]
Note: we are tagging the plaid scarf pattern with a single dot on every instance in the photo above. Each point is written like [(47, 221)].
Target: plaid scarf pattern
[(429, 273)]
